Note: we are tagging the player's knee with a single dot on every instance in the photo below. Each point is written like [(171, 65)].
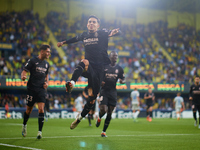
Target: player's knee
[(85, 62), (92, 102), (40, 110), (102, 110), (90, 92)]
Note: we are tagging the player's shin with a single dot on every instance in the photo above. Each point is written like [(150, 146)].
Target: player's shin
[(26, 117), (40, 121), (107, 122), (78, 71)]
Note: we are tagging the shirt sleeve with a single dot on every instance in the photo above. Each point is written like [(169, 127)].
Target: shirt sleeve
[(47, 69), (28, 65), (75, 39)]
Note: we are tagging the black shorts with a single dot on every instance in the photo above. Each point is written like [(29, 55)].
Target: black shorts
[(108, 98), (95, 77), (35, 96), (195, 107), (150, 104)]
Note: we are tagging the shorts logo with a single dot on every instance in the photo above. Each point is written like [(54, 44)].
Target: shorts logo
[(116, 71)]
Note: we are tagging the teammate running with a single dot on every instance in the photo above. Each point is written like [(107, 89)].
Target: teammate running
[(149, 97), (96, 44), (195, 97), (37, 83), (108, 94)]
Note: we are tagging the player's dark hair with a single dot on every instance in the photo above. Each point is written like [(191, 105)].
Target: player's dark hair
[(93, 16), (179, 93), (197, 76), (112, 52), (44, 47)]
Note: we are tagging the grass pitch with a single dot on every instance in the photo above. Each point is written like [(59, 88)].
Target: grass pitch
[(123, 134)]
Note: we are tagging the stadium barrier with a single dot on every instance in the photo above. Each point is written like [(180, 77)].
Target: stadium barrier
[(11, 83), (17, 113)]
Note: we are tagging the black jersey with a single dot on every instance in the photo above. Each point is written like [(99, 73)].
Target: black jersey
[(96, 45), (112, 74), (38, 70), (149, 100), (195, 94)]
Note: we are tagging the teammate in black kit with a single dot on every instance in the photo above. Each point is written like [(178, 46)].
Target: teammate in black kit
[(149, 97), (37, 83), (96, 44), (108, 94), (195, 97)]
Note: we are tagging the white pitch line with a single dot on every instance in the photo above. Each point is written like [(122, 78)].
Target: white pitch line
[(54, 137), (13, 124), (8, 145)]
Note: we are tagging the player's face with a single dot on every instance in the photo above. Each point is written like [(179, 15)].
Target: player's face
[(46, 53), (113, 57), (150, 90), (92, 25), (196, 80)]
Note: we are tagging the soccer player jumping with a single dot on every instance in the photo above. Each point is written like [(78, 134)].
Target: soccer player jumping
[(92, 67)]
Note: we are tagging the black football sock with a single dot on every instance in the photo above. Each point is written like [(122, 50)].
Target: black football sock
[(147, 113), (150, 114), (40, 121), (89, 118), (106, 123), (195, 116), (78, 71), (26, 117)]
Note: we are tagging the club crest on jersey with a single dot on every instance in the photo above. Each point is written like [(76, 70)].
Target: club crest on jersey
[(95, 34), (46, 66), (116, 71)]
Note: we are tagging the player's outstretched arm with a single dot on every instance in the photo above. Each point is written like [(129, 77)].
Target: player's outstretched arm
[(114, 32), (69, 41), (23, 75)]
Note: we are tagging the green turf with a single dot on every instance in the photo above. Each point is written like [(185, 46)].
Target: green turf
[(123, 134)]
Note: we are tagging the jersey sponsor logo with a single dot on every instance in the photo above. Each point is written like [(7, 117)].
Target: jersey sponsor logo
[(196, 92), (108, 75), (90, 41), (40, 69)]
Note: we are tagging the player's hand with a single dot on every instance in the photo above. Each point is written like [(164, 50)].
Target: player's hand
[(59, 44), (114, 31), (190, 98), (121, 81), (102, 83), (23, 78), (45, 85)]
